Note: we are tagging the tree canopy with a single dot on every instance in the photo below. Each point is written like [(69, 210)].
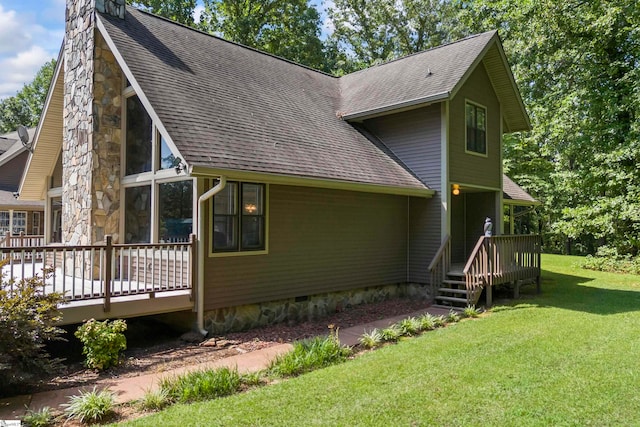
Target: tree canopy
[(26, 106)]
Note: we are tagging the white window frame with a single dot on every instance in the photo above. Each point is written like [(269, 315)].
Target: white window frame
[(486, 130)]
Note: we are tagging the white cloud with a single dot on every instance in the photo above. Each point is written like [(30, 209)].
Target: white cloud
[(25, 46)]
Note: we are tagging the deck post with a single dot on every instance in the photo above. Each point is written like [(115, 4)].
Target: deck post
[(193, 255), (108, 252)]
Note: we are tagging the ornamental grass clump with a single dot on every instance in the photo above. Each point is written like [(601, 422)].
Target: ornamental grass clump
[(427, 322), (42, 418), (308, 355), (91, 406), (471, 311), (201, 385), (391, 333), (453, 316), (410, 326), (154, 400), (371, 339)]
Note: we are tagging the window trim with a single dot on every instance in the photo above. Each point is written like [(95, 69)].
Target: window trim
[(239, 252), (486, 130)]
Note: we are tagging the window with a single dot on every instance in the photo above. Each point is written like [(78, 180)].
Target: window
[(13, 222), (476, 117), (19, 223), (158, 201), (36, 223), (56, 220), (5, 222), (239, 218)]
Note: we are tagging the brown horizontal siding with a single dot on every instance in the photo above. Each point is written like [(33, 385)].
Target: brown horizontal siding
[(469, 168), (414, 137), (11, 173), (424, 236), (319, 241)]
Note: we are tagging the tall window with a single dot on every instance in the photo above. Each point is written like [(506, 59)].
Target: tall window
[(158, 201), (476, 117), (5, 222), (239, 218), (13, 222)]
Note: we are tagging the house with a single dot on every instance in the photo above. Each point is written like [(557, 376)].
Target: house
[(306, 192), (16, 216)]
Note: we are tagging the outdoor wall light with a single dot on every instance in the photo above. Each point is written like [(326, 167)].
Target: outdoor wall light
[(456, 189)]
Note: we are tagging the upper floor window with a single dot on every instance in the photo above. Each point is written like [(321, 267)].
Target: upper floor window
[(239, 218), (139, 139), (476, 119)]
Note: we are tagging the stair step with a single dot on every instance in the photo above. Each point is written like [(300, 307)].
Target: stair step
[(452, 299), (453, 291), (455, 274), (447, 307), (454, 282)]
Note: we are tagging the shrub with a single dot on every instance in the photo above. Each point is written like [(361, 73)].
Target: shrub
[(154, 400), (91, 406), (41, 418), (439, 321), (453, 316), (28, 320), (371, 339), (102, 342), (471, 311), (391, 333), (427, 322), (608, 259), (308, 355), (409, 326), (201, 385)]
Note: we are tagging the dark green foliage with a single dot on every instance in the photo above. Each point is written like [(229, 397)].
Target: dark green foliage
[(177, 10), (27, 321), (102, 342), (608, 259)]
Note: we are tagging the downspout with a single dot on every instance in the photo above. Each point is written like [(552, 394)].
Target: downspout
[(200, 298)]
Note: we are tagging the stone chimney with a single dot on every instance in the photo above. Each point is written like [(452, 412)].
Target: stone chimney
[(85, 141)]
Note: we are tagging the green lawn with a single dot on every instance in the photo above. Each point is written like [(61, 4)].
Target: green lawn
[(570, 356)]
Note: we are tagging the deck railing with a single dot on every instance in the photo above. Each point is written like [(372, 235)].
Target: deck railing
[(106, 270), (21, 240), (441, 264), (503, 259)]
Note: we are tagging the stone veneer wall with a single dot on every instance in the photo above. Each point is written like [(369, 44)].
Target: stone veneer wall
[(87, 136), (107, 138), (314, 307), (77, 143)]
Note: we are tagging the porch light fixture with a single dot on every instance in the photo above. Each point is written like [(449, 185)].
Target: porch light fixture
[(456, 189), (250, 208), (23, 133)]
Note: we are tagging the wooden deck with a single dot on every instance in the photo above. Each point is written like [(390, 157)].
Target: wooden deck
[(109, 280)]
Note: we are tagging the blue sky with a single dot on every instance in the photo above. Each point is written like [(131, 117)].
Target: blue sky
[(31, 33)]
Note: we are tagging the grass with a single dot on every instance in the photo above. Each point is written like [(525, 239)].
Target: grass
[(567, 357), (308, 355)]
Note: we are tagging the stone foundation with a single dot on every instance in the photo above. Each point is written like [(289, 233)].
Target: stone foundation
[(296, 310)]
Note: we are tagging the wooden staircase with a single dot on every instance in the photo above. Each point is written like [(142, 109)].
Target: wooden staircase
[(453, 291)]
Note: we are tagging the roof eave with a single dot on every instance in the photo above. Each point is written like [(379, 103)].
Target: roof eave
[(201, 171), (396, 108)]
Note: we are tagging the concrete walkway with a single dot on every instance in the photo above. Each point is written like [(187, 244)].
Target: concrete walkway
[(132, 388)]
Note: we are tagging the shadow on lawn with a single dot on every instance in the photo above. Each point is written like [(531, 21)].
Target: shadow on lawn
[(574, 293)]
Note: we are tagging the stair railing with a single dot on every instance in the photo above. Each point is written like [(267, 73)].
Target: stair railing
[(477, 270), (440, 264)]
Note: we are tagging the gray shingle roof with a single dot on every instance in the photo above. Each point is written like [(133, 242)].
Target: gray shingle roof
[(226, 106), (513, 191), (420, 76)]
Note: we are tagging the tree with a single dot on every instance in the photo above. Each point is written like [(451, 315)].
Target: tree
[(381, 30), (181, 11), (26, 106), (286, 28), (577, 66)]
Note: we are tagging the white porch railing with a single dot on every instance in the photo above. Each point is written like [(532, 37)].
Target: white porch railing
[(104, 271)]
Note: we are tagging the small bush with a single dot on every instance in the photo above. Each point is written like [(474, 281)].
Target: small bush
[(427, 322), (471, 311), (410, 326), (371, 339), (439, 321), (41, 418), (391, 333), (308, 355), (609, 260), (453, 317), (28, 320), (102, 342), (201, 385), (91, 406), (154, 400)]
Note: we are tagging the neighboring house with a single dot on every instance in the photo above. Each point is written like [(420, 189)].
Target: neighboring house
[(16, 216), (304, 185)]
